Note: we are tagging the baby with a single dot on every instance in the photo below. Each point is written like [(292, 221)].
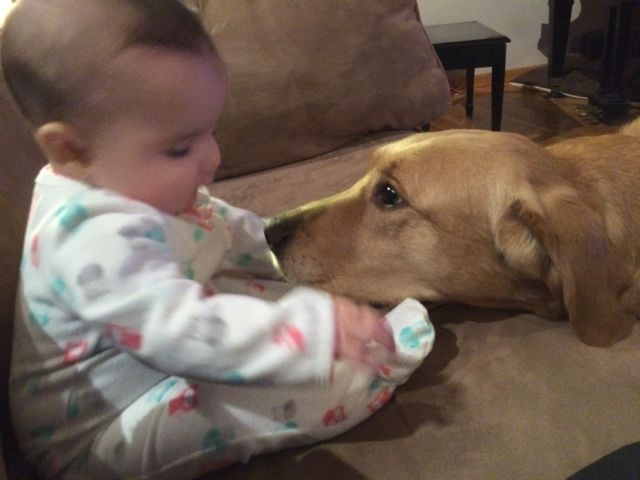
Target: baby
[(151, 339)]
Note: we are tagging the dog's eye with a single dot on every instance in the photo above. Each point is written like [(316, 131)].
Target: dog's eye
[(386, 196)]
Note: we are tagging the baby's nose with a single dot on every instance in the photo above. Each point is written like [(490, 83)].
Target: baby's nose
[(211, 160)]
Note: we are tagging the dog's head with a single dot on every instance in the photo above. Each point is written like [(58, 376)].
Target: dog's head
[(483, 218)]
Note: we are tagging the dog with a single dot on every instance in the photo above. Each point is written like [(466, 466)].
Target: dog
[(489, 219)]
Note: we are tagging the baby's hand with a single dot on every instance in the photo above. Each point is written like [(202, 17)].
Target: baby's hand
[(357, 328)]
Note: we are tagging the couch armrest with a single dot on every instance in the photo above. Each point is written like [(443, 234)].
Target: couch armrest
[(20, 160)]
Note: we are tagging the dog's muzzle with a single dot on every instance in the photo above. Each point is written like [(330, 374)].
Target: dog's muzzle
[(278, 232), (281, 229)]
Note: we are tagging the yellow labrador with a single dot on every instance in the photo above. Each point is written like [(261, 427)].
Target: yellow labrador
[(484, 218)]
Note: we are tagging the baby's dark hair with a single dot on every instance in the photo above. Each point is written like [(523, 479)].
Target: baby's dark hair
[(52, 49), (168, 23)]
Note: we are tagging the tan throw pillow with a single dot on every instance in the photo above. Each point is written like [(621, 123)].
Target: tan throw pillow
[(309, 76)]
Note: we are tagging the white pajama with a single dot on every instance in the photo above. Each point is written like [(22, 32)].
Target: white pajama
[(148, 344)]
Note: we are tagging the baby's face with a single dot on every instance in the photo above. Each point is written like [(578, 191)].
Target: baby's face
[(154, 141)]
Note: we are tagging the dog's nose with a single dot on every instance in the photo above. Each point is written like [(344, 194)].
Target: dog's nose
[(277, 232)]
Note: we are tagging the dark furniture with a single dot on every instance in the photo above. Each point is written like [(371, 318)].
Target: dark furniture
[(559, 20), (469, 45), (609, 99)]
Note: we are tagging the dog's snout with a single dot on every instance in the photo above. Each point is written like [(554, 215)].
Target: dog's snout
[(282, 229), (278, 231)]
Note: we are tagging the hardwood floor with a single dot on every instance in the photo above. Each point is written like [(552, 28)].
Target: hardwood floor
[(526, 112)]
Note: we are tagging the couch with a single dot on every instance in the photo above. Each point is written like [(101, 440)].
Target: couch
[(315, 87)]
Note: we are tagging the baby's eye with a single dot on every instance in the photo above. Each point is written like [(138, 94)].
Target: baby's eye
[(179, 151)]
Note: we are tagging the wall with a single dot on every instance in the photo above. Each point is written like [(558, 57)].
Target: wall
[(525, 22)]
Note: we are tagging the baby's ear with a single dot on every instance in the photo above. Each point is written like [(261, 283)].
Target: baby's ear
[(62, 145)]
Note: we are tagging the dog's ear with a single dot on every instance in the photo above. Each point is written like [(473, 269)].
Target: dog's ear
[(517, 239), (561, 241)]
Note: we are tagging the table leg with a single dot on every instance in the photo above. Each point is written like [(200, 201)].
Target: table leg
[(559, 21), (497, 87), (610, 98), (471, 75)]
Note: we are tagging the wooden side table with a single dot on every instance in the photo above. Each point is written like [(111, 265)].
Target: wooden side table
[(469, 45)]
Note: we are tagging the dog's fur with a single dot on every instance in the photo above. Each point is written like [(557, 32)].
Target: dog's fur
[(483, 218)]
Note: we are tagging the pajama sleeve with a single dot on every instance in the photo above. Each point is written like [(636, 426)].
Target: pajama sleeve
[(249, 250), (118, 274)]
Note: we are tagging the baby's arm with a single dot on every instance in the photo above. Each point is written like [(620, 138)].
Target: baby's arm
[(356, 325), (139, 300), (249, 249)]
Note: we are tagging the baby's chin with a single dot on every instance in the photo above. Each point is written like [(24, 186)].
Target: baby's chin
[(176, 206), (186, 205)]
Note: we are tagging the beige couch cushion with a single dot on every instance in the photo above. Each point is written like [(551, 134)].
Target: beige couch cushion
[(502, 396), (334, 71), (273, 191)]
